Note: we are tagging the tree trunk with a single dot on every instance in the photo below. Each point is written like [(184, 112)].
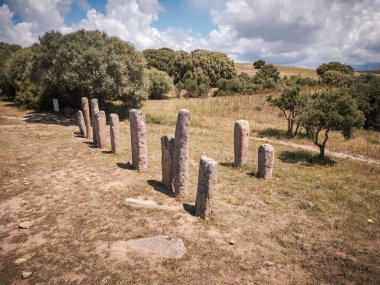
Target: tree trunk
[(297, 127), (321, 151)]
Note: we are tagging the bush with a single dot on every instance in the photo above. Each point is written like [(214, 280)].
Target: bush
[(335, 66), (91, 64), (336, 78), (178, 88), (258, 64), (28, 95), (193, 89), (161, 59), (267, 76), (160, 83)]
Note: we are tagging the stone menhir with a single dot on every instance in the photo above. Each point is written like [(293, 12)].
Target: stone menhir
[(206, 187), (138, 139), (81, 124), (94, 110), (167, 152), (101, 135), (265, 161), (114, 133), (181, 153), (86, 114), (241, 141)]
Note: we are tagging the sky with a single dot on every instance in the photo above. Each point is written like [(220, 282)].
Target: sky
[(287, 32)]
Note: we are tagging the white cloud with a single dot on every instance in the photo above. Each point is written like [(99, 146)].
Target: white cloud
[(280, 31)]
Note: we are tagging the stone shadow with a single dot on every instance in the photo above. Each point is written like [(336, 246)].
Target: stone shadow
[(127, 165), (305, 158), (189, 208), (48, 118), (160, 187), (278, 134)]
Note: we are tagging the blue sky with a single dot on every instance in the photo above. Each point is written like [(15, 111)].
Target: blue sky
[(287, 32)]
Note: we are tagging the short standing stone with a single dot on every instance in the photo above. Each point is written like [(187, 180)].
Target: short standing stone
[(167, 151), (206, 187), (86, 114), (114, 133), (181, 153), (94, 110), (241, 140), (265, 161), (81, 124), (101, 128), (138, 139)]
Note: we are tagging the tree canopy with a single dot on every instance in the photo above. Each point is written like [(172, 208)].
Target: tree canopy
[(336, 66), (92, 64), (161, 59)]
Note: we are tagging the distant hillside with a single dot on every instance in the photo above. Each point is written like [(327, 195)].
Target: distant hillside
[(284, 70), (368, 67)]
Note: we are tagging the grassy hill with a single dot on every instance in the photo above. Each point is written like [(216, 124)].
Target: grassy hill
[(284, 70)]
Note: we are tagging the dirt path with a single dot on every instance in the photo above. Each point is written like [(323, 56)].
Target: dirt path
[(316, 149)]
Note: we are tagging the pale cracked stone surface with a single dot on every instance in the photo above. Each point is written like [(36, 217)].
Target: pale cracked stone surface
[(138, 139), (25, 225), (94, 110), (181, 153), (114, 133), (81, 124), (265, 161), (146, 204), (207, 180), (87, 119), (241, 141), (160, 246), (101, 122), (167, 152)]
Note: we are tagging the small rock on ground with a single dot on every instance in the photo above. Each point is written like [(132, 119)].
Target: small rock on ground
[(268, 263), (26, 274), (370, 221), (20, 260), (25, 225)]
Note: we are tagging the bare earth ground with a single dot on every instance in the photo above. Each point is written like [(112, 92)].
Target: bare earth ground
[(307, 225)]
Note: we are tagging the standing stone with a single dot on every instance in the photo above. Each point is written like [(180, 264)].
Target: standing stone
[(167, 152), (138, 139), (101, 128), (206, 187), (86, 114), (81, 124), (94, 110), (114, 133), (181, 153), (241, 140), (266, 161)]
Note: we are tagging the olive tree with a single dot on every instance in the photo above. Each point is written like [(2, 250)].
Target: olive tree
[(92, 64), (291, 103), (331, 110)]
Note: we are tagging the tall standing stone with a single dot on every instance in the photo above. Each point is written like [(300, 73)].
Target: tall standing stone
[(86, 114), (167, 151), (101, 123), (181, 153), (81, 124), (206, 187), (241, 140), (94, 110), (114, 133), (138, 139), (265, 161)]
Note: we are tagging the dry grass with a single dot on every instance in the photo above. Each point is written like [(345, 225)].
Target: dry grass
[(310, 220), (284, 70)]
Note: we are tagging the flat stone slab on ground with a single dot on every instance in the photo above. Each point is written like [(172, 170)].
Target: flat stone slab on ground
[(25, 225), (146, 204), (156, 246)]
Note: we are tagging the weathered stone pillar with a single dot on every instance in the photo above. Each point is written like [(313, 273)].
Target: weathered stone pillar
[(167, 151), (86, 114), (138, 139), (241, 141), (266, 161), (81, 124), (114, 133), (206, 187), (101, 122), (94, 110), (181, 153)]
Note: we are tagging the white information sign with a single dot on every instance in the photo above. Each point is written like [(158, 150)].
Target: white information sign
[(55, 105)]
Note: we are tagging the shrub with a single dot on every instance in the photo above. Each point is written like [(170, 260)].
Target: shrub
[(336, 78), (335, 66), (267, 76), (258, 64), (160, 83), (161, 59), (28, 95), (193, 89)]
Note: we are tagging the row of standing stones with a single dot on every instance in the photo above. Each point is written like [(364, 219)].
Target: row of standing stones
[(174, 150)]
